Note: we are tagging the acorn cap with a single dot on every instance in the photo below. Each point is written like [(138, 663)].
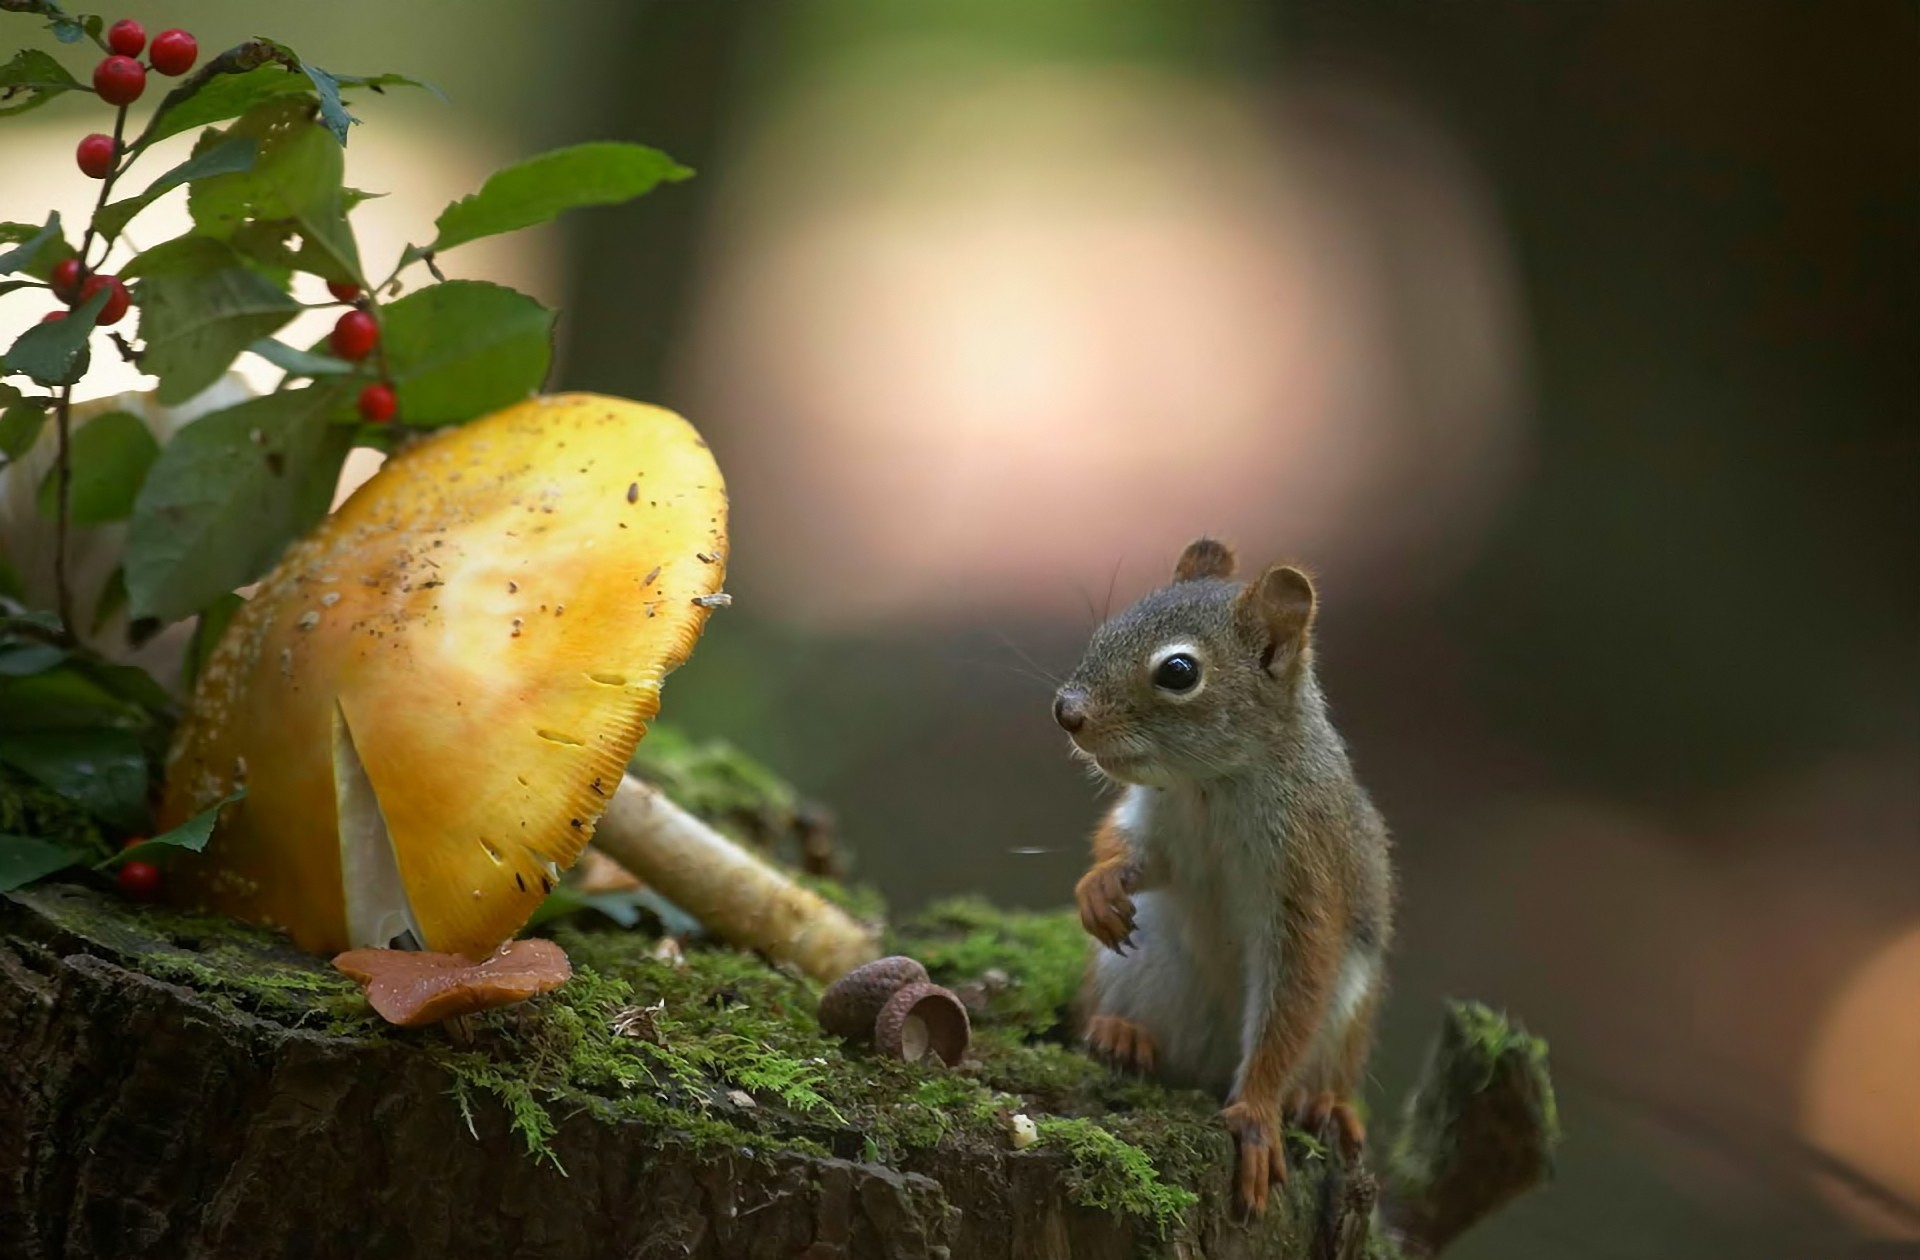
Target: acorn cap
[(432, 697), (852, 1003), (922, 1019), (412, 988)]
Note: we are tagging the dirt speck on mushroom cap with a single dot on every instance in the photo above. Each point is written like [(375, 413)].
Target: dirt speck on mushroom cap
[(411, 620)]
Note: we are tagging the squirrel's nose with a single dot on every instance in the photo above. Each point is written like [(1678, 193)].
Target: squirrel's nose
[(1070, 710)]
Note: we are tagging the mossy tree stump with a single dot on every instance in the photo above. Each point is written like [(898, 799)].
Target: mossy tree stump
[(182, 1087)]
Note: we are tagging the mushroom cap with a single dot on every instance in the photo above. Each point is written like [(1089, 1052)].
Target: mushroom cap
[(432, 697), (413, 988)]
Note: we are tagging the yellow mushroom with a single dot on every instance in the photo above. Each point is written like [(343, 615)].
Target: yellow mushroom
[(432, 699)]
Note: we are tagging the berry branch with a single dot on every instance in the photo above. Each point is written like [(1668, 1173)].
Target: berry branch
[(63, 400), (208, 506)]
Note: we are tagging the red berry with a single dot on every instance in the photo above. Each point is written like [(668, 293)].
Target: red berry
[(51, 316), (139, 881), (174, 52), (119, 80), (354, 335), (127, 37), (377, 403), (116, 306), (95, 155), (343, 292), (66, 280)]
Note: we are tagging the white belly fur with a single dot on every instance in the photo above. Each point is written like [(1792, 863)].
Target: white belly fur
[(1186, 978)]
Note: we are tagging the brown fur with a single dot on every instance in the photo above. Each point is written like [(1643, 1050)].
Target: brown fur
[(1238, 782)]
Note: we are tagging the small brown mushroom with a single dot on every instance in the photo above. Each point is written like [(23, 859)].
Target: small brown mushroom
[(920, 1019), (413, 988), (852, 1003)]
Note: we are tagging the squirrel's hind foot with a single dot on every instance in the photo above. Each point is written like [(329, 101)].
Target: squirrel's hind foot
[(1321, 1112), (1261, 1158), (1121, 1044)]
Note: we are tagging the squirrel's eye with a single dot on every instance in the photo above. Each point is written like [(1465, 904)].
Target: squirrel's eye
[(1178, 672)]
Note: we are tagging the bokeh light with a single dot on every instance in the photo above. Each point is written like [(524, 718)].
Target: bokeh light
[(989, 327), (1862, 1095)]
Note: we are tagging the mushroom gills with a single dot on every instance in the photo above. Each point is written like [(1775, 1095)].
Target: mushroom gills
[(379, 916)]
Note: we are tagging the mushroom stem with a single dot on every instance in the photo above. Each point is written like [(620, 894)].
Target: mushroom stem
[(738, 896)]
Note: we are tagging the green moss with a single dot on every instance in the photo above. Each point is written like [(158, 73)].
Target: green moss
[(526, 1115), (1493, 1038), (721, 784), (1042, 957), (1115, 1175), (863, 901), (1479, 1051), (231, 965), (721, 1052)]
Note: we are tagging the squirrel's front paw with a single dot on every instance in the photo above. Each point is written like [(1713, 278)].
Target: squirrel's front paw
[(1263, 1158), (1106, 909)]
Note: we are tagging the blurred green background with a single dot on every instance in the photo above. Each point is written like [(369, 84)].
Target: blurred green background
[(1572, 345)]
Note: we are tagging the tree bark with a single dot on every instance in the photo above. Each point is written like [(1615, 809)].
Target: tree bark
[(144, 1117)]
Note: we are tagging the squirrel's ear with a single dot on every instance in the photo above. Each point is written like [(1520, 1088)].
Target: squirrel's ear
[(1204, 558), (1278, 608)]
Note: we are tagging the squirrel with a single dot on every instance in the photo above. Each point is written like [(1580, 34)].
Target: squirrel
[(1242, 885)]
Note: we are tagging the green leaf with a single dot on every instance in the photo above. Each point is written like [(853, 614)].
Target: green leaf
[(227, 495), (59, 699), (624, 908), (101, 769), (31, 240), (242, 77), (41, 249), (32, 79), (56, 353), (199, 311), (24, 859), (192, 835), (536, 190), (207, 629), (20, 427), (300, 363), (225, 158), (463, 348), (296, 177), (381, 82), (109, 456), (113, 595), (267, 248), (333, 115), (126, 682), (17, 660), (29, 620), (182, 253), (70, 30), (227, 87)]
